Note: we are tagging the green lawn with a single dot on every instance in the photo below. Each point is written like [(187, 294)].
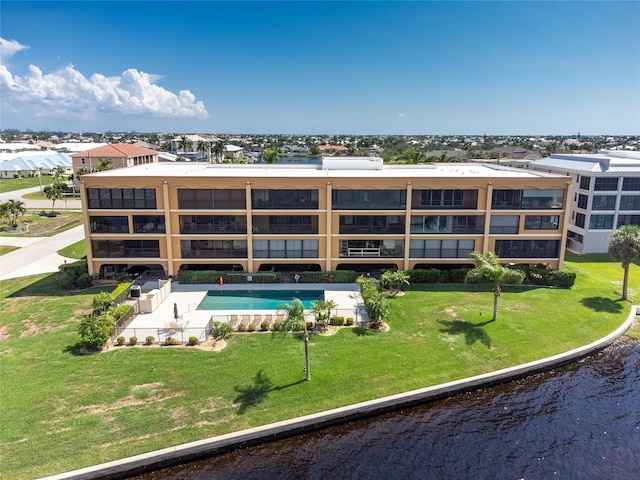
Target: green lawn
[(61, 410), (13, 184), (76, 250), (6, 249)]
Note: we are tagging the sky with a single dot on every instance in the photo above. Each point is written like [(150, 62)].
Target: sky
[(302, 67)]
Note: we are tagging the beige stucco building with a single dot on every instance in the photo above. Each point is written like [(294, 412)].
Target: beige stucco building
[(347, 213)]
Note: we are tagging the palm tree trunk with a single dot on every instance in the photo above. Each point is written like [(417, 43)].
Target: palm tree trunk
[(496, 295), (306, 354)]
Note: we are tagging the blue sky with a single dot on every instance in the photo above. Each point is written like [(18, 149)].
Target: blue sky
[(529, 68)]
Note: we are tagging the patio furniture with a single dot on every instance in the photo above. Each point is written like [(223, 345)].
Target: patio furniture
[(233, 320), (257, 319), (246, 320)]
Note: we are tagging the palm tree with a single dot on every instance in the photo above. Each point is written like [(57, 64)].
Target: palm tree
[(103, 302), (54, 192), (218, 150), (395, 279), (413, 155), (377, 307), (294, 323), (624, 247), (104, 164), (203, 147), (15, 208), (488, 270), (269, 155), (185, 143)]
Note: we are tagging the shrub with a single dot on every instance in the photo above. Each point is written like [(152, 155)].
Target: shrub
[(428, 275), (170, 341), (309, 325), (149, 340), (92, 332), (264, 326), (192, 341), (251, 327), (133, 340), (457, 275), (349, 322), (120, 340), (242, 327), (221, 330), (70, 275), (277, 326), (336, 321)]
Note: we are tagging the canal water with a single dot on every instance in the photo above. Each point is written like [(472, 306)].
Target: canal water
[(581, 421)]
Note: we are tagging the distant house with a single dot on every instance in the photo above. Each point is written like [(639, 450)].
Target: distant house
[(294, 149), (233, 151), (332, 149), (31, 164), (121, 155), (191, 152)]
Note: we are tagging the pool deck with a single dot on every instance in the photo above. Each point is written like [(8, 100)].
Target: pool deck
[(193, 322)]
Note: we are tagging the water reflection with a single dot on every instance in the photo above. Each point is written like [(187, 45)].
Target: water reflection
[(579, 421)]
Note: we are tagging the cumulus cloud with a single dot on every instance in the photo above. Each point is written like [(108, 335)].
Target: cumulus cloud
[(67, 92), (8, 48)]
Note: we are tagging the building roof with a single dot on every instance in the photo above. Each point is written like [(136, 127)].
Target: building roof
[(605, 162), (348, 167), (29, 162), (77, 146), (116, 150)]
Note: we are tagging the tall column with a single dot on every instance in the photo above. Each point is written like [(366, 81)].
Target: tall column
[(87, 228), (329, 239), (487, 219), (407, 226), (249, 227), (168, 230)]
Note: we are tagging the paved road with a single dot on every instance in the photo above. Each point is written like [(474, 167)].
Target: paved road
[(37, 254)]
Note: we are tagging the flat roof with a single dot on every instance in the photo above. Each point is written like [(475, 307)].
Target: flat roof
[(444, 170)]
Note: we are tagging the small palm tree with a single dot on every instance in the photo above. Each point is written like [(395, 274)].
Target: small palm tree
[(203, 147), (14, 209), (395, 279), (53, 193), (377, 307), (295, 322), (104, 164), (218, 150), (414, 155), (103, 302), (269, 155), (489, 270), (624, 247)]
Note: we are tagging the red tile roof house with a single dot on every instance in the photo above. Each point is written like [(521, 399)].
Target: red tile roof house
[(122, 155), (332, 148)]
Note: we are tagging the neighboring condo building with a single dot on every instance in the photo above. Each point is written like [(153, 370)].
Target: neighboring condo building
[(606, 195), (121, 155), (351, 213)]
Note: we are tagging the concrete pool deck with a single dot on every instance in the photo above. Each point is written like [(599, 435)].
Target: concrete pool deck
[(193, 322)]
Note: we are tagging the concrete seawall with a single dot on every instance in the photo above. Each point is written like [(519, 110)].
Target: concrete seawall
[(223, 443)]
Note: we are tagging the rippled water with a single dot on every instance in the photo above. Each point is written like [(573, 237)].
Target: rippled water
[(579, 421)]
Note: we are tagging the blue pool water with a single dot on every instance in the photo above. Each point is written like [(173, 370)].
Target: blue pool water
[(256, 299)]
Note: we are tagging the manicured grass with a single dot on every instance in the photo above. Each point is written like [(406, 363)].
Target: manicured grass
[(44, 226), (6, 249), (61, 410), (13, 184), (76, 250)]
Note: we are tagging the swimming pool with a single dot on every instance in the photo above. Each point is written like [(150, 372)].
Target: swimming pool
[(256, 299)]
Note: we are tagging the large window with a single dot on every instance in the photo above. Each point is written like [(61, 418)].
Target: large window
[(503, 199), (628, 220), (585, 183), (444, 199), (106, 224), (372, 248), (583, 201), (369, 199), (601, 222), (606, 184), (501, 224), (631, 184), (125, 248), (374, 224), (285, 224), (212, 224), (527, 248), (285, 248), (630, 202), (603, 202), (454, 224), (262, 199), (541, 222), (211, 199), (213, 248), (581, 219), (148, 224), (440, 248), (121, 198)]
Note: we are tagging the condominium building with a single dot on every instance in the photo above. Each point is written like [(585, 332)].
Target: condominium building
[(606, 195), (351, 213)]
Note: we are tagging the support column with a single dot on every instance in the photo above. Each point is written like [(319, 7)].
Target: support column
[(487, 219), (168, 229), (329, 239), (249, 227), (407, 226), (87, 228)]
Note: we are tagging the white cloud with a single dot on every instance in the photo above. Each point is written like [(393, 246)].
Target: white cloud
[(68, 93), (8, 48)]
